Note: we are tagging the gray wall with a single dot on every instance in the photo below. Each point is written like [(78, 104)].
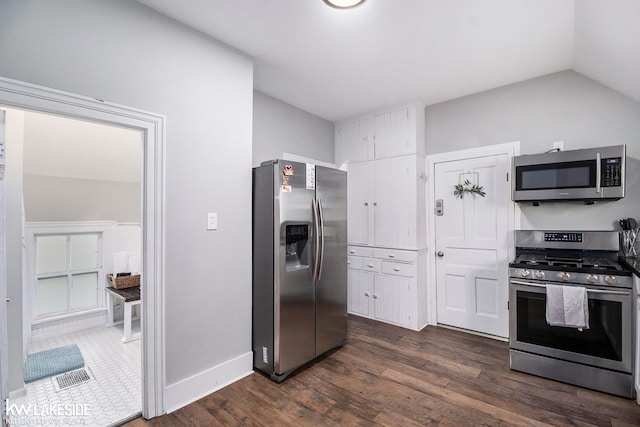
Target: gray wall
[(281, 128), (564, 106), (49, 198), (125, 53)]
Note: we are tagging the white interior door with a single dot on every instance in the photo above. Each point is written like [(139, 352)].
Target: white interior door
[(472, 245)]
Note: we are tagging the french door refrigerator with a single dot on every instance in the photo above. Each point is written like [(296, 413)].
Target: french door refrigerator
[(299, 264)]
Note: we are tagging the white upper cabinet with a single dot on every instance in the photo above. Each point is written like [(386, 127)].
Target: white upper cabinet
[(395, 202), (385, 199), (393, 132), (354, 141), (391, 135), (358, 196)]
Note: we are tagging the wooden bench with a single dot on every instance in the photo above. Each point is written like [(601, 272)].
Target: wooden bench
[(130, 297)]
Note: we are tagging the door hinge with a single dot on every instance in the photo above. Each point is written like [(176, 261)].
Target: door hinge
[(507, 176)]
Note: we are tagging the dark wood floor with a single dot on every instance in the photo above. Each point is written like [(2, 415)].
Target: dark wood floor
[(395, 377)]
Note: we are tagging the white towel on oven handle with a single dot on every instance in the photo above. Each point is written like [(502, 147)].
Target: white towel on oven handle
[(567, 306)]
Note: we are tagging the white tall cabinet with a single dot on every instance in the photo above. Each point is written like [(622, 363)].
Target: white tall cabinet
[(384, 152)]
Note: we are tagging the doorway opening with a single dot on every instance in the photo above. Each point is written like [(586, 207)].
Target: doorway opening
[(150, 130), (82, 207)]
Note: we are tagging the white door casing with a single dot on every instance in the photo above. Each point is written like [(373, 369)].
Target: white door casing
[(4, 372), (475, 238), (22, 95)]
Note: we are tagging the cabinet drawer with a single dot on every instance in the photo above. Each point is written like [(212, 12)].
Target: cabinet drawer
[(359, 251), (372, 264), (399, 269), (395, 255), (354, 262)]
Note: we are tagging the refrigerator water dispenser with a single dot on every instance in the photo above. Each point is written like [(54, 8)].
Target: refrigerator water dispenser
[(297, 237)]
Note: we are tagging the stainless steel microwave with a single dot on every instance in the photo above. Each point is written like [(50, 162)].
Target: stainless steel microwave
[(590, 174)]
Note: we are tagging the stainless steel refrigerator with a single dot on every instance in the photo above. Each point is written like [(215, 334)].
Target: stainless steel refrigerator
[(299, 264)]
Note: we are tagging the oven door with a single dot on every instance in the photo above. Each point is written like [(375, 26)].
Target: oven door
[(608, 343)]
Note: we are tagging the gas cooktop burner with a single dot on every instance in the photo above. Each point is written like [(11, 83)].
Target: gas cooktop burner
[(542, 261), (587, 258)]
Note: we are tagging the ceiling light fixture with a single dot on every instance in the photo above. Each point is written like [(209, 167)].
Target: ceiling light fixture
[(343, 4)]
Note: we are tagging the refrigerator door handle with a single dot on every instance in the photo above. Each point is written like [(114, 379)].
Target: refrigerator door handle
[(321, 258), (316, 239)]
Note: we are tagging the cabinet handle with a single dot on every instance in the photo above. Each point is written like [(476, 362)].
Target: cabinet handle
[(392, 256), (366, 203), (370, 265), (375, 203), (396, 269), (348, 262), (352, 251), (366, 294), (375, 296)]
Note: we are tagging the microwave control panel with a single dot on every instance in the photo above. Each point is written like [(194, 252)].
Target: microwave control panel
[(611, 172)]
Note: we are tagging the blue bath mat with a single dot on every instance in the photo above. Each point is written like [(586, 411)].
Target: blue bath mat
[(51, 362)]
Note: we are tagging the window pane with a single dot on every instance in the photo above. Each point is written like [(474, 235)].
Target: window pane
[(84, 251), (84, 290), (52, 295), (51, 254)]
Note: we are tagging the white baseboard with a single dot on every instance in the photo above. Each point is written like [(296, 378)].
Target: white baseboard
[(65, 326), (197, 386), (18, 394)]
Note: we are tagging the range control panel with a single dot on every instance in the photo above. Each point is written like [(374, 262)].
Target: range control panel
[(563, 237)]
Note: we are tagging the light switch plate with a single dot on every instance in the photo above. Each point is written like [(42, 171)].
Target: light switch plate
[(212, 221)]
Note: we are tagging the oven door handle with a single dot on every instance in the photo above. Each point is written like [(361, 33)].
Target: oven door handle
[(591, 291)]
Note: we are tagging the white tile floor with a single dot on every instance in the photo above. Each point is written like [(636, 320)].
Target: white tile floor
[(114, 395)]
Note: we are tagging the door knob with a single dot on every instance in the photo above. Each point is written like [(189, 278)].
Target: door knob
[(440, 254)]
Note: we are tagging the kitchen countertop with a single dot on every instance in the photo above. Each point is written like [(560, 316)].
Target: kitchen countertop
[(633, 264)]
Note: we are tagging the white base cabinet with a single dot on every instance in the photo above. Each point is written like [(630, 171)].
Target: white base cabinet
[(383, 285)]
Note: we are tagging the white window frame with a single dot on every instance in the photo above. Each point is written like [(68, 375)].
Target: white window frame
[(107, 232)]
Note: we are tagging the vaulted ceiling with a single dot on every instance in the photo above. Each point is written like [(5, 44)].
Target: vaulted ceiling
[(340, 63)]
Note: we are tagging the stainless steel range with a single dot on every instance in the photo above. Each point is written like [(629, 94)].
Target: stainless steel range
[(599, 356)]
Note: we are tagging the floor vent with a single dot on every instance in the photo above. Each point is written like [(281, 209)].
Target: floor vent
[(72, 378)]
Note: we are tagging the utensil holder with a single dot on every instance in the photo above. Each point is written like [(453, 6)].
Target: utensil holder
[(629, 242)]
